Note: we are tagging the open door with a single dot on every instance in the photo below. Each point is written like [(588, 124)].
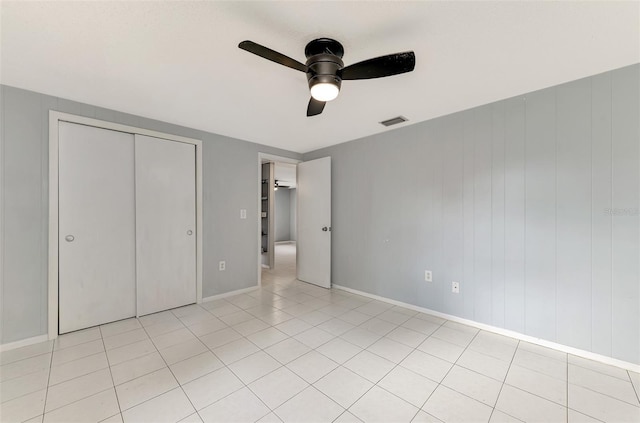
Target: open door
[(314, 222)]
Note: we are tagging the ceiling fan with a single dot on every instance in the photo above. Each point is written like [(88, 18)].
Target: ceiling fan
[(325, 69)]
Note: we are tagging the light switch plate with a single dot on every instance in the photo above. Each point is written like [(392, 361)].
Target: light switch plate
[(243, 213)]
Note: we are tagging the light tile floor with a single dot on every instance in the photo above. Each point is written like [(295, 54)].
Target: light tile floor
[(294, 352)]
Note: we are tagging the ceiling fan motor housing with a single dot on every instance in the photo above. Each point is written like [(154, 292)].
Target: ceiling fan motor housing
[(324, 68)]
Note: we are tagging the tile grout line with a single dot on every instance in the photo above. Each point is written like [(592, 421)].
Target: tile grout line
[(505, 383)]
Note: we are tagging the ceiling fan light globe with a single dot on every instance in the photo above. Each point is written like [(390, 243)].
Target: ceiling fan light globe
[(325, 91)]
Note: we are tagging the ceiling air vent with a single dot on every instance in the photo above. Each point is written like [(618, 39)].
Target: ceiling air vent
[(394, 121)]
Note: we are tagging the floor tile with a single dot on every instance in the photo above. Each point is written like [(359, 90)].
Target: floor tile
[(267, 337), (220, 338), (378, 405), (604, 384), (336, 327), (293, 327), (540, 350), (343, 386), (78, 388), (277, 387), (494, 345), (198, 317), (599, 367), (315, 317), (224, 309), (270, 418), (163, 328), (234, 351), (194, 367), (347, 417), (472, 384), (314, 337), (22, 353), (250, 326), (287, 350), (155, 318), (484, 364), (186, 310), (24, 367), (423, 417), (172, 338), (601, 407), (77, 368), (125, 338), (538, 384), (14, 388), (541, 363), (369, 366), (194, 418), (339, 350), (408, 385), (406, 336), (254, 366), (235, 318), (169, 407), (378, 326), (425, 327), (355, 317), (77, 351), (360, 337), (241, 406), (500, 417), (182, 351), (454, 336), (635, 380), (426, 365), (390, 349), (576, 417), (144, 388), (131, 351), (309, 406), (140, 366), (441, 349), (393, 316), (528, 407), (76, 338), (373, 308), (465, 410), (118, 327), (312, 366), (207, 326), (24, 407), (93, 408), (211, 387)]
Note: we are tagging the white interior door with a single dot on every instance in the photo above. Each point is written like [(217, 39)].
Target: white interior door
[(314, 222), (165, 224), (96, 226)]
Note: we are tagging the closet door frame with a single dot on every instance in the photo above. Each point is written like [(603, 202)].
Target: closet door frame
[(55, 118)]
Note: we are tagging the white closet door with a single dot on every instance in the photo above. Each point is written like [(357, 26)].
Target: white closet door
[(165, 224), (96, 226)]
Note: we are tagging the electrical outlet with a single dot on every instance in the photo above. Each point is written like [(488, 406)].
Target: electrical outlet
[(455, 287), (222, 265), (243, 213), (428, 277)]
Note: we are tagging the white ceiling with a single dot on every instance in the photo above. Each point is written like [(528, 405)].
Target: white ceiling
[(179, 61)]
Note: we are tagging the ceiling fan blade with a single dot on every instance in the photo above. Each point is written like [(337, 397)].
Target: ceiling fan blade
[(315, 107), (272, 55), (392, 64)]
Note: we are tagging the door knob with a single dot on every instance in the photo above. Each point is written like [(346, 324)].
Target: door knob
[(189, 232), (325, 229), (69, 238)]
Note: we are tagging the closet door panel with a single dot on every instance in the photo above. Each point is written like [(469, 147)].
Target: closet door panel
[(165, 224), (96, 226)]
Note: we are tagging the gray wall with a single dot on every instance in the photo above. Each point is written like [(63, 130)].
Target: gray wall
[(531, 203), (283, 215), (293, 213), (24, 193)]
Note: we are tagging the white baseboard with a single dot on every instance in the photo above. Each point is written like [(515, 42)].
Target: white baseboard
[(230, 294), (23, 342), (500, 331)]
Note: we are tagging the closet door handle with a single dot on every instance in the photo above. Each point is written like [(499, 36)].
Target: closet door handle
[(189, 232), (69, 238)]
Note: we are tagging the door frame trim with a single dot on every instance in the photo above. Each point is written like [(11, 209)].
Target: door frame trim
[(55, 118), (275, 159)]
